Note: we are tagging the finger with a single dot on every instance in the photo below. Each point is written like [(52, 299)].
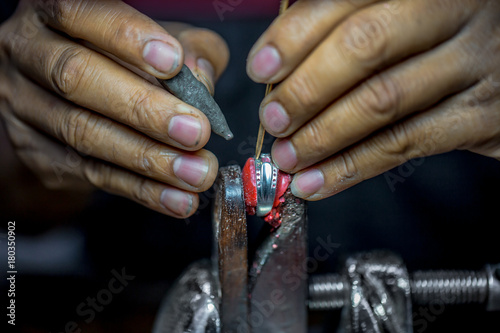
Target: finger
[(95, 82), (294, 34), (459, 123), (61, 168), (45, 157), (207, 45), (102, 138), (360, 46), (119, 29), (206, 53), (149, 193), (413, 85)]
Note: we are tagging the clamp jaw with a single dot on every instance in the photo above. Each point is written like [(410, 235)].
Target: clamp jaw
[(223, 294)]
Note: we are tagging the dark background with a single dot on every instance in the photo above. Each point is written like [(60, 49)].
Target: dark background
[(443, 216)]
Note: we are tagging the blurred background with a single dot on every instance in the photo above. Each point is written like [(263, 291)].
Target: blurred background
[(442, 216)]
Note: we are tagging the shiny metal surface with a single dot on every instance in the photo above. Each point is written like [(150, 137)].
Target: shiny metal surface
[(327, 292), (266, 175), (493, 272), (449, 287), (192, 304), (379, 295), (278, 275)]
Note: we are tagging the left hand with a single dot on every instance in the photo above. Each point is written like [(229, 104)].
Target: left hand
[(367, 85), (72, 83)]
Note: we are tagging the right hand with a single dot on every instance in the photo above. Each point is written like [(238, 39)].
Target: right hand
[(79, 76)]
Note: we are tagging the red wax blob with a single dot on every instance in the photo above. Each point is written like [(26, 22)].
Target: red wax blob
[(249, 186)]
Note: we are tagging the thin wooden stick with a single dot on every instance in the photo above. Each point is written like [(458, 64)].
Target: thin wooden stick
[(283, 6), (269, 87)]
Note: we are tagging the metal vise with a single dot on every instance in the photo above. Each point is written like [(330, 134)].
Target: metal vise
[(227, 295)]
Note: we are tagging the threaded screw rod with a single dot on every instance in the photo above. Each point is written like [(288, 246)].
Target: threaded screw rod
[(328, 292)]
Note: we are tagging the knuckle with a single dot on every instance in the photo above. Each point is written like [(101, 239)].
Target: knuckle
[(120, 29), (365, 37), (13, 42), (302, 89), (478, 111), (146, 158), (61, 12), (139, 110), (395, 143), (97, 174), (142, 192), (18, 132), (380, 97), (317, 138), (77, 128), (346, 167), (68, 70)]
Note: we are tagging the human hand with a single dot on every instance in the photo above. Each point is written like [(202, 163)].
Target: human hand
[(367, 85), (81, 103)]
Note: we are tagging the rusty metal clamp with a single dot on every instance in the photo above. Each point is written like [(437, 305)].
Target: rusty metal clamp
[(223, 295)]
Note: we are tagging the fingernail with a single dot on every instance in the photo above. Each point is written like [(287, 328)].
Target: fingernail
[(191, 169), (186, 130), (206, 67), (284, 155), (206, 72), (162, 56), (266, 62), (177, 201), (275, 117), (308, 183)]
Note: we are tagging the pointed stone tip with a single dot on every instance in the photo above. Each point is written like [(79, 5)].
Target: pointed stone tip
[(224, 133)]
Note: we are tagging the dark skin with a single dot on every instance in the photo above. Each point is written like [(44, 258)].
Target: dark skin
[(366, 85), (95, 93)]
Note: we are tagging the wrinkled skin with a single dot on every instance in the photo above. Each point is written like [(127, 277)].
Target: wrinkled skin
[(81, 104), (367, 85)]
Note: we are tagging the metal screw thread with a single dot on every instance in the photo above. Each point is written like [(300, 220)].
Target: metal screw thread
[(328, 292), (449, 287)]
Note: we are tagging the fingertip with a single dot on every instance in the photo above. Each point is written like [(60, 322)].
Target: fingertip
[(203, 70), (178, 203), (195, 202), (213, 169), (196, 171), (200, 43), (163, 57), (205, 73), (307, 184), (284, 155), (190, 132), (206, 130), (275, 118)]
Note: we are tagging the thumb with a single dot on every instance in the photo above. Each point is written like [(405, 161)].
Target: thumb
[(205, 53)]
